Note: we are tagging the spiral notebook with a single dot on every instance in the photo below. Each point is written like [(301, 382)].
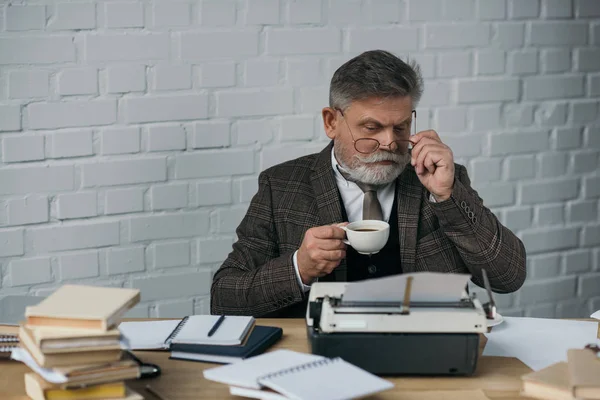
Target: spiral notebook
[(9, 339), (194, 329)]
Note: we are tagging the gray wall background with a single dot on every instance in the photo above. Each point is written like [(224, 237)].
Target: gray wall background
[(133, 132)]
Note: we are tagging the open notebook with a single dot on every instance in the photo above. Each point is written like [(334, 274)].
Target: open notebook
[(297, 376), (194, 329)]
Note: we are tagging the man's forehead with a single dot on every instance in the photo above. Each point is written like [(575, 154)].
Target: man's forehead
[(393, 110)]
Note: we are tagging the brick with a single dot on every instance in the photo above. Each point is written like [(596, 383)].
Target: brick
[(78, 81), (304, 72), (541, 311), (551, 114), (590, 285), (587, 59), (218, 13), (520, 167), (31, 209), (584, 111), (491, 10), (78, 265), (583, 211), (591, 235), (488, 90), (76, 205), (190, 284), (462, 35), (342, 12), (25, 18), (37, 50), (305, 11), (464, 145), (489, 62), (72, 237), (262, 73), (25, 84), (593, 137), (166, 197), (120, 141), (484, 118), (168, 226), (577, 261), (555, 60), (544, 266), (126, 78), (458, 10), (255, 102), (201, 165), (518, 115), (30, 271), (167, 14), (509, 35), (523, 62), (385, 11), (166, 108), (552, 164), (127, 47), (123, 201), (73, 16), (303, 41), (214, 250), (542, 88), (229, 219), (591, 187), (202, 306), (558, 33), (523, 142), (454, 64), (577, 308), (297, 127), (594, 85), (247, 188), (72, 114), (550, 239), (497, 194), (220, 74), (262, 12), (124, 172), (22, 148), (211, 134), (557, 8), (550, 215), (363, 39), (124, 15), (254, 131), (484, 170), (451, 119), (274, 155), (10, 118), (172, 77), (313, 98), (550, 191), (585, 162), (170, 254), (42, 179), (139, 311), (427, 63), (568, 138), (523, 9), (198, 46), (165, 138), (70, 144), (587, 8), (177, 309), (125, 260), (213, 193), (11, 242), (516, 219), (437, 94)]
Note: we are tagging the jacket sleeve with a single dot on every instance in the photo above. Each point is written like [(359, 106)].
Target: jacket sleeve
[(256, 279), (481, 240)]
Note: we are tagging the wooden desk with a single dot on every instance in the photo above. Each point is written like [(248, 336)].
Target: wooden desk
[(499, 377)]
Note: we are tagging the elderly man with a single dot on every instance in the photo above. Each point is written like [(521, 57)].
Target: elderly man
[(373, 168)]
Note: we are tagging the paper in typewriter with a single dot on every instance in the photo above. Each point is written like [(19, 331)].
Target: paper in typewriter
[(426, 287)]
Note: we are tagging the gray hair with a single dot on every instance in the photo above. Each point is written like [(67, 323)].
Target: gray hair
[(375, 73)]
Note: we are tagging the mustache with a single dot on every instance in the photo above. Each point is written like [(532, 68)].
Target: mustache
[(383, 156)]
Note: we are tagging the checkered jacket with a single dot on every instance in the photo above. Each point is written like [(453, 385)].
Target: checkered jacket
[(459, 235)]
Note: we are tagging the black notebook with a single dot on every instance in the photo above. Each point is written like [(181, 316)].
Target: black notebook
[(261, 338)]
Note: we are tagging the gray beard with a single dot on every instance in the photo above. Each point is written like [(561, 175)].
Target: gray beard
[(376, 175)]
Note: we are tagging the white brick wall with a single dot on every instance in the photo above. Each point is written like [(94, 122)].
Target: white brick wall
[(132, 132)]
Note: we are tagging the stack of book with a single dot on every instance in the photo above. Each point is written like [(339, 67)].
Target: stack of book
[(8, 340), (578, 378), (71, 342)]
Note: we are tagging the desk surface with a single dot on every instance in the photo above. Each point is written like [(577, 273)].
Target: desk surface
[(498, 377)]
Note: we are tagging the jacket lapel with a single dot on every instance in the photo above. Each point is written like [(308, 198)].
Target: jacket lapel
[(409, 192), (328, 198)]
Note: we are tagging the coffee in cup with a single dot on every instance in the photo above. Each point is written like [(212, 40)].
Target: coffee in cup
[(368, 236)]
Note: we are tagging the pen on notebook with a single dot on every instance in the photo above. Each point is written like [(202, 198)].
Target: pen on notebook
[(216, 326), (155, 393)]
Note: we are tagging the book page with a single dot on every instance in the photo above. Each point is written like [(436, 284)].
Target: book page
[(149, 335)]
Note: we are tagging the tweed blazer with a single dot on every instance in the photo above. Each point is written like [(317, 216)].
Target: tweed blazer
[(459, 235)]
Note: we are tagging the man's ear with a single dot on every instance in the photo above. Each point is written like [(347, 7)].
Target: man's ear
[(330, 122)]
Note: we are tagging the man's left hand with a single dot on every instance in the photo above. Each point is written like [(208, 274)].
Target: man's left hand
[(434, 163)]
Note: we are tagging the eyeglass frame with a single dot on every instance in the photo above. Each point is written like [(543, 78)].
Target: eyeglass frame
[(414, 112)]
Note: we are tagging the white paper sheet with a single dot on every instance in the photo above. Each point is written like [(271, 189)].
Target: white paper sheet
[(539, 342), (596, 315), (426, 286), (20, 354), (149, 335)]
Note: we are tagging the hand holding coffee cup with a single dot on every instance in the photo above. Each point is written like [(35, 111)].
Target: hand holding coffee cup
[(367, 236)]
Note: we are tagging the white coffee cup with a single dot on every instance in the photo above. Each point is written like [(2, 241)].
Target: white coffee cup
[(367, 236)]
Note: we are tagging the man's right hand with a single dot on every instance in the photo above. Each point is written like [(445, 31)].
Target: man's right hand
[(321, 251)]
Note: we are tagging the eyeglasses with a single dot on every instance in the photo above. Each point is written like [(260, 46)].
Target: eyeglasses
[(370, 145)]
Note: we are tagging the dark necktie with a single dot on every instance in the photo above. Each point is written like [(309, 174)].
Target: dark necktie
[(371, 205)]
